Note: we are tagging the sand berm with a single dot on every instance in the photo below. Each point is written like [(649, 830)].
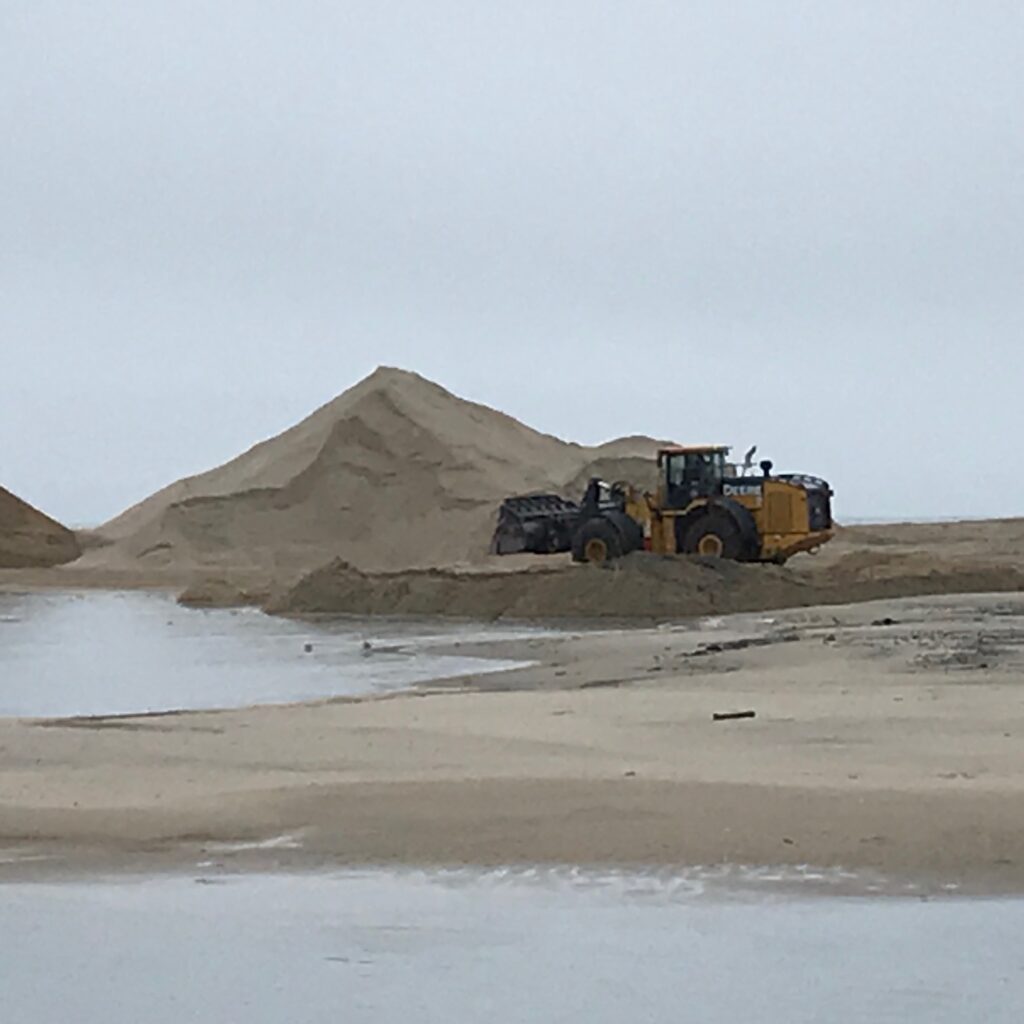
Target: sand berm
[(641, 586)]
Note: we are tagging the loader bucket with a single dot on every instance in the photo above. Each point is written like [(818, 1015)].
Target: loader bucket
[(539, 523)]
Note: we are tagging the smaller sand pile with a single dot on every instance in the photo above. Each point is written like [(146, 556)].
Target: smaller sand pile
[(30, 539), (626, 459)]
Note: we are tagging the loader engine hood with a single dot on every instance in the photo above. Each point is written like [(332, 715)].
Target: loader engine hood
[(819, 498)]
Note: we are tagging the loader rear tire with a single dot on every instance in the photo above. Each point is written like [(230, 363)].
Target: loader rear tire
[(715, 534), (598, 541)]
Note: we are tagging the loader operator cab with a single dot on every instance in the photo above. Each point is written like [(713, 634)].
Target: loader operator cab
[(688, 473)]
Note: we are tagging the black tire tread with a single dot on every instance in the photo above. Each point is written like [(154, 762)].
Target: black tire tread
[(717, 521), (597, 527)]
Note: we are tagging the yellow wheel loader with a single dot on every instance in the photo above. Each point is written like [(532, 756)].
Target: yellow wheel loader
[(704, 505)]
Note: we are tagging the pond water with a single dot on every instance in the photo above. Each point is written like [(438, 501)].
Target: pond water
[(101, 653), (392, 948)]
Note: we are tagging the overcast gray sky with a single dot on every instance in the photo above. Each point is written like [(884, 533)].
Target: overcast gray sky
[(800, 224)]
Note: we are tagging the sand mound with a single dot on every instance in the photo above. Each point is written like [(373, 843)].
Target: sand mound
[(30, 539), (641, 586), (639, 471), (394, 473), (630, 459)]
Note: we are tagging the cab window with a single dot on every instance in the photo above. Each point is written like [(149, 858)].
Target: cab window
[(676, 470), (708, 466)]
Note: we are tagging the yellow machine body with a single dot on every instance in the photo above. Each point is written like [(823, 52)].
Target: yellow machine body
[(778, 508), (704, 505), (780, 514)]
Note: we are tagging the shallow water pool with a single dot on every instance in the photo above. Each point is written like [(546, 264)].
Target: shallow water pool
[(103, 653), (391, 948)]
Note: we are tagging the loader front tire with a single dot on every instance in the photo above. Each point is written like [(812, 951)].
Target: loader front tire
[(598, 541)]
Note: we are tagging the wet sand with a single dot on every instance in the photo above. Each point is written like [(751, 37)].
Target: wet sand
[(887, 736)]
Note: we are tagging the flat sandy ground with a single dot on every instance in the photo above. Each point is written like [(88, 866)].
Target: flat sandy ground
[(887, 736)]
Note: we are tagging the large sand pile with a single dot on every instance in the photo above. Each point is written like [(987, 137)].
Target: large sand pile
[(394, 473), (28, 538)]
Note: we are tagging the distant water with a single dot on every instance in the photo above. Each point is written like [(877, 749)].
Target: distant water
[(398, 948), (96, 653), (911, 520)]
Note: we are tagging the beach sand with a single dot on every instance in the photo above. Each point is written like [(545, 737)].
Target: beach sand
[(887, 736)]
